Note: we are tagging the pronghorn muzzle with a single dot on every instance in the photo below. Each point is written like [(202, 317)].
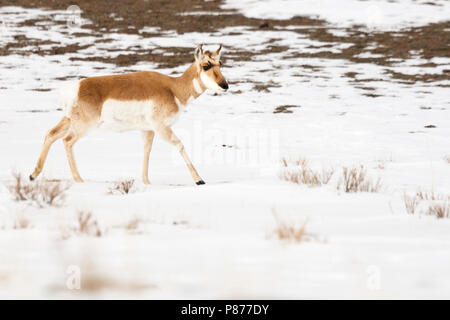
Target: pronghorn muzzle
[(224, 85)]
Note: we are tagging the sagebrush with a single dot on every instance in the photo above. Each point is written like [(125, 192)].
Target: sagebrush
[(87, 224), (41, 192), (122, 187)]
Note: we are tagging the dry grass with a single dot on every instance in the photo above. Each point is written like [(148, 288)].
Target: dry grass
[(299, 162), (286, 231), (122, 187), (133, 224), (290, 231), (15, 217), (411, 203), (355, 179), (298, 171), (41, 192), (21, 221), (439, 210), (430, 195), (436, 204), (87, 224)]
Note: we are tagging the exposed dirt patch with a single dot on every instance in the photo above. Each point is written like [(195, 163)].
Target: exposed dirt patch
[(265, 86), (285, 108), (413, 78), (41, 89), (131, 16), (181, 56), (34, 46), (372, 95), (426, 42), (351, 75), (367, 88), (309, 67)]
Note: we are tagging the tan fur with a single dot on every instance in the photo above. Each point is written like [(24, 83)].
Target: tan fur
[(166, 94)]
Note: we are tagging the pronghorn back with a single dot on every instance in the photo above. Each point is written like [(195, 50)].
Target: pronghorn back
[(129, 98)]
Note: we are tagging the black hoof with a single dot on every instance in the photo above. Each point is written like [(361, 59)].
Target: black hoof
[(200, 182), (31, 178)]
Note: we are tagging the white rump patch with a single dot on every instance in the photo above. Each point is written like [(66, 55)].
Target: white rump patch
[(210, 84), (68, 96), (127, 115)]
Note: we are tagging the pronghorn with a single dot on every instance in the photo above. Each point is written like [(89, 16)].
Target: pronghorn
[(146, 101)]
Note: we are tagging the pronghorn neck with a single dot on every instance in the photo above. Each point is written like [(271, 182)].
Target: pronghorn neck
[(189, 85)]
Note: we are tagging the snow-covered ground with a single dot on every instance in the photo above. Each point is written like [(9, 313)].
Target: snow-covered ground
[(380, 14), (174, 239)]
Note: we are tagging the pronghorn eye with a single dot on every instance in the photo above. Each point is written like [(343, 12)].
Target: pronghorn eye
[(207, 67)]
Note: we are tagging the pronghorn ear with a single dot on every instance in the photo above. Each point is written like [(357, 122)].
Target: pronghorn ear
[(217, 53), (198, 53)]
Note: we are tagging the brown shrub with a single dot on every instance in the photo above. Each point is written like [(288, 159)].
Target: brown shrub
[(133, 223), (122, 187), (21, 220), (291, 231), (301, 173), (286, 231), (439, 210), (438, 203), (87, 224), (355, 179), (40, 192)]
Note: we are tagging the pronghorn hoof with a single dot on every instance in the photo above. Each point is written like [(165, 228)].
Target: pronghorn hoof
[(31, 177), (200, 182)]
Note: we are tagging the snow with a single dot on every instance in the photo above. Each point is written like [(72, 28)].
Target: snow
[(218, 240), (380, 14)]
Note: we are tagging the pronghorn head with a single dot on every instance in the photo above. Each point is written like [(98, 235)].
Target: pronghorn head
[(208, 66)]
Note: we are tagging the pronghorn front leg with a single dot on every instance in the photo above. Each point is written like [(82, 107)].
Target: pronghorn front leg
[(59, 131), (148, 142), (167, 134)]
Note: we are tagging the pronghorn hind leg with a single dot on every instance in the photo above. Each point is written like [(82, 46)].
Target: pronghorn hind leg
[(57, 132), (69, 141), (167, 134), (148, 142)]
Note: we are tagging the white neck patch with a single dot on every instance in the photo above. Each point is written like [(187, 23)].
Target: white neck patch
[(210, 84), (178, 103), (197, 86)]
